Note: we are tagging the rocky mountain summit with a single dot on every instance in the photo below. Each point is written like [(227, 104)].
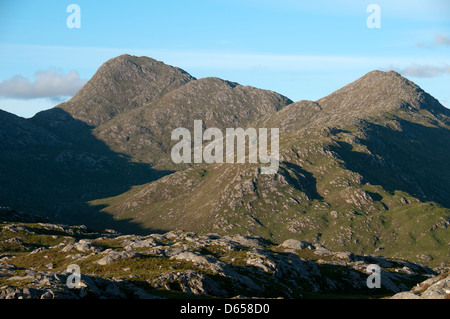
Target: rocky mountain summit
[(34, 258), (122, 84)]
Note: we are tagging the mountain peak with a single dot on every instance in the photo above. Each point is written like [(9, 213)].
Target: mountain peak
[(123, 83), (379, 73), (381, 91)]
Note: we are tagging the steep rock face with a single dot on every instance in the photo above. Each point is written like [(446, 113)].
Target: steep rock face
[(121, 84)]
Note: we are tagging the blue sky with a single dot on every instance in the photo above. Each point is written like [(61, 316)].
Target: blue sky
[(300, 49)]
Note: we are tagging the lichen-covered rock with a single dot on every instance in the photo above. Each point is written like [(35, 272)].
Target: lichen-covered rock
[(190, 282), (112, 256), (437, 287), (130, 244), (296, 244)]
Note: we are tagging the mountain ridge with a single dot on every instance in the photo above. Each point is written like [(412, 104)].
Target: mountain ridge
[(218, 102), (355, 166)]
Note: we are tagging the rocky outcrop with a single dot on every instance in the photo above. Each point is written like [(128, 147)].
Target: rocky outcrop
[(189, 282), (437, 287), (180, 263), (112, 256), (53, 285)]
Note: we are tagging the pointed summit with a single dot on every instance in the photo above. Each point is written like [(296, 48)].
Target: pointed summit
[(121, 84), (379, 91)]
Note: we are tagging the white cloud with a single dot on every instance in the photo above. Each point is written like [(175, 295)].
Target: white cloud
[(439, 39), (424, 71), (46, 84)]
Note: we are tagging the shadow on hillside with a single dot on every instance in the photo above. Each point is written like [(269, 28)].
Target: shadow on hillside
[(414, 159), (58, 180), (301, 179)]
